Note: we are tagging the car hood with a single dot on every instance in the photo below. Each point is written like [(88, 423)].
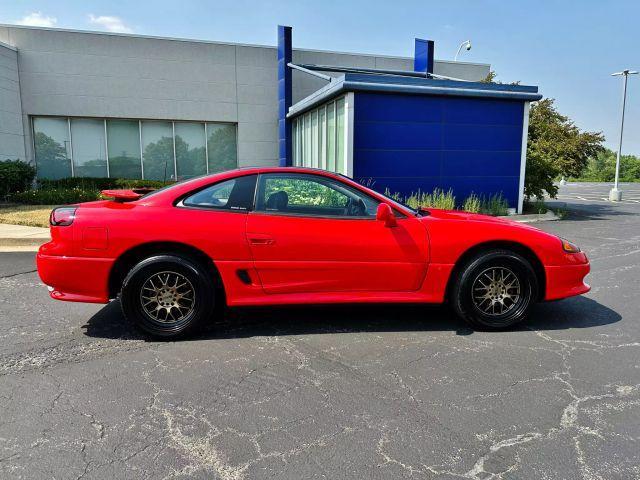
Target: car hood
[(457, 215)]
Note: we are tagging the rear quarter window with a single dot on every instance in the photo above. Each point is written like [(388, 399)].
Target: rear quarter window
[(235, 194)]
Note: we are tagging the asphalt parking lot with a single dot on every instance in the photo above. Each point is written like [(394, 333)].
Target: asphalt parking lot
[(342, 392)]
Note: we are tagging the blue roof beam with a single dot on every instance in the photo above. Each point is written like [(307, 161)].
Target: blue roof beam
[(285, 95), (423, 56)]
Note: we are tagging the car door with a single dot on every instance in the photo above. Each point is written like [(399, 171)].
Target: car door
[(312, 233)]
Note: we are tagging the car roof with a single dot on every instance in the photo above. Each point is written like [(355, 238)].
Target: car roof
[(194, 183), (187, 186)]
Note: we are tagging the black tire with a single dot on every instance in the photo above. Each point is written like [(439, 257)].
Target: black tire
[(178, 313), (501, 303)]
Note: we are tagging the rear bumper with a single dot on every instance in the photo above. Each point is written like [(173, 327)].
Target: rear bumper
[(75, 279), (566, 281)]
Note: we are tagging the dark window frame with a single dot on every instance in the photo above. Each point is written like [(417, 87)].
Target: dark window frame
[(179, 202), (322, 180)]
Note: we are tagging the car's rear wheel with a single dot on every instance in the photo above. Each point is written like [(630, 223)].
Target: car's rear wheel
[(494, 290), (168, 296)]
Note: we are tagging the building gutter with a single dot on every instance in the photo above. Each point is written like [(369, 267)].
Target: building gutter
[(426, 87)]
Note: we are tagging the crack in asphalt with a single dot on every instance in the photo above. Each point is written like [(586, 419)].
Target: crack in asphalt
[(17, 274)]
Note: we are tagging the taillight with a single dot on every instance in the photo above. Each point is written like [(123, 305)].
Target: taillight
[(62, 216)]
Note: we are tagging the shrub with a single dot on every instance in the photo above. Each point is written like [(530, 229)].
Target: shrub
[(472, 204), (537, 206), (436, 199), (55, 196), (15, 176), (88, 183), (495, 205), (138, 183), (76, 182)]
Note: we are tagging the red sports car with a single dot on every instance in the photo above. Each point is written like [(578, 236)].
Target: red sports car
[(275, 236)]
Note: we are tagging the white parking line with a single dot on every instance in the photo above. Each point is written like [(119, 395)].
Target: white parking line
[(594, 198)]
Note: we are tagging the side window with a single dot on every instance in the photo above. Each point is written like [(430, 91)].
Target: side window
[(300, 194), (235, 194)]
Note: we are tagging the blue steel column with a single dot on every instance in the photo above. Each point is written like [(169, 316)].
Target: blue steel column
[(423, 56), (284, 95)]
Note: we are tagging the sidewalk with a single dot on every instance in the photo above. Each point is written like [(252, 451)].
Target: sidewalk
[(19, 237), (533, 217)]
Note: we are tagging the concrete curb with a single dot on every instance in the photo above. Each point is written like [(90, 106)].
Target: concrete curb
[(33, 248), (550, 216)]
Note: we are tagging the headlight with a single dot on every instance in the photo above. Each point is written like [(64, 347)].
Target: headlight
[(569, 247)]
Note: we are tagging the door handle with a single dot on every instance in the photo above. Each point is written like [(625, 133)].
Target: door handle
[(261, 240)]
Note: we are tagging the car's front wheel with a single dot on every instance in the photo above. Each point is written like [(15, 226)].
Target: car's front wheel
[(494, 290), (167, 296)]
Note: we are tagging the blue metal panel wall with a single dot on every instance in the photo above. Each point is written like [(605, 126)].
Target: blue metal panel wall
[(284, 95), (408, 143)]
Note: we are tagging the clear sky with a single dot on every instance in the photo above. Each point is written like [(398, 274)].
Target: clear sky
[(567, 48)]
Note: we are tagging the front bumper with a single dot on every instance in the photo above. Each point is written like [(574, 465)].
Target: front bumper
[(566, 280), (75, 279)]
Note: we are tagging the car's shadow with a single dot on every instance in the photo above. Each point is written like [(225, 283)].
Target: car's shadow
[(579, 312)]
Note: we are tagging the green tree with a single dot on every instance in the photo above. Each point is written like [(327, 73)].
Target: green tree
[(556, 146), (602, 168)]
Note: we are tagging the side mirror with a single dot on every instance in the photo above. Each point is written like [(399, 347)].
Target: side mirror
[(385, 214)]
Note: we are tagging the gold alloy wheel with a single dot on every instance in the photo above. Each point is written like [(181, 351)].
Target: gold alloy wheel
[(167, 297), (496, 291)]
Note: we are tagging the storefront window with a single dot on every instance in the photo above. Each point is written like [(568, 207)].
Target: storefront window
[(123, 140), (96, 147), (52, 147), (221, 147), (88, 147), (157, 151), (191, 154)]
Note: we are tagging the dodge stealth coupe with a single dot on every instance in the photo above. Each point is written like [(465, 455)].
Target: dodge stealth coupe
[(276, 236)]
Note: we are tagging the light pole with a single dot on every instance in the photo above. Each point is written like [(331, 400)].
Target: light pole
[(466, 43), (615, 195)]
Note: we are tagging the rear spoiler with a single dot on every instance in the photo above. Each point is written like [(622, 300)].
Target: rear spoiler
[(126, 195)]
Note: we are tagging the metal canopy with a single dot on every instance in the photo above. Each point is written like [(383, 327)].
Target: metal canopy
[(411, 84)]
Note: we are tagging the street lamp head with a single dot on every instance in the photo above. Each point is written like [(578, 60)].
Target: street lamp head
[(467, 46), (624, 72)]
